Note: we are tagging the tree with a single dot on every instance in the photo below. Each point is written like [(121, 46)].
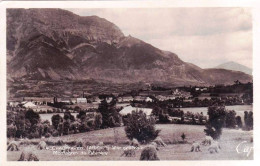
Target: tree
[(68, 116), (56, 120), (231, 119), (60, 128), (98, 120), (216, 121), (157, 111), (110, 116), (164, 118), (66, 127), (239, 121), (23, 125), (11, 131), (104, 110), (141, 127), (245, 118), (77, 109), (248, 118), (32, 116), (81, 114)]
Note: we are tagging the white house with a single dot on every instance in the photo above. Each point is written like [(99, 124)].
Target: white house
[(29, 105)]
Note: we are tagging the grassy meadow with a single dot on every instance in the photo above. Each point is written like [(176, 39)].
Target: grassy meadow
[(170, 133)]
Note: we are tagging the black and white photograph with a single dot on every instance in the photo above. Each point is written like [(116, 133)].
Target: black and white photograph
[(121, 84)]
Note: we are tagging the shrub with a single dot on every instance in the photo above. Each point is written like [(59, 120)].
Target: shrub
[(183, 136), (164, 118), (141, 127)]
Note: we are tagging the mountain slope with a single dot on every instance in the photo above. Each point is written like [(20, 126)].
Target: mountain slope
[(55, 44), (235, 66)]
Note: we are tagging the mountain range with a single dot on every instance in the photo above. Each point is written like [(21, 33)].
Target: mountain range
[(55, 44), (235, 66)]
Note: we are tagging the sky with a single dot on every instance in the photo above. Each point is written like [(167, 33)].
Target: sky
[(206, 37)]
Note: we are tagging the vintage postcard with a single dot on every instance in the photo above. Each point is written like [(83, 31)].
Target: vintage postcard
[(128, 83)]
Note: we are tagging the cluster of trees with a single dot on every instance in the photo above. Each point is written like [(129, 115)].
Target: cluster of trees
[(110, 115), (164, 116), (82, 123), (219, 117), (25, 124)]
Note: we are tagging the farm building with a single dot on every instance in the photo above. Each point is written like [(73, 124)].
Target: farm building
[(81, 100), (125, 99), (142, 98), (163, 98), (39, 100)]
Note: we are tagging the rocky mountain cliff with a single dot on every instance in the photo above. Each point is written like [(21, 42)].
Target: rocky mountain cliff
[(55, 44)]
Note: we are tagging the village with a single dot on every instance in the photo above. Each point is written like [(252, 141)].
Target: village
[(146, 99)]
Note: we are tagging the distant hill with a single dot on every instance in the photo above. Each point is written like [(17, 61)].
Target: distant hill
[(235, 66), (55, 44)]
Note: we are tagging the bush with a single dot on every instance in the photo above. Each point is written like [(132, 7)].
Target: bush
[(183, 136), (164, 118), (141, 127), (55, 133), (217, 117)]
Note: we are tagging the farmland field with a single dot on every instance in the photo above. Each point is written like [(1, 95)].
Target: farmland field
[(170, 133)]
